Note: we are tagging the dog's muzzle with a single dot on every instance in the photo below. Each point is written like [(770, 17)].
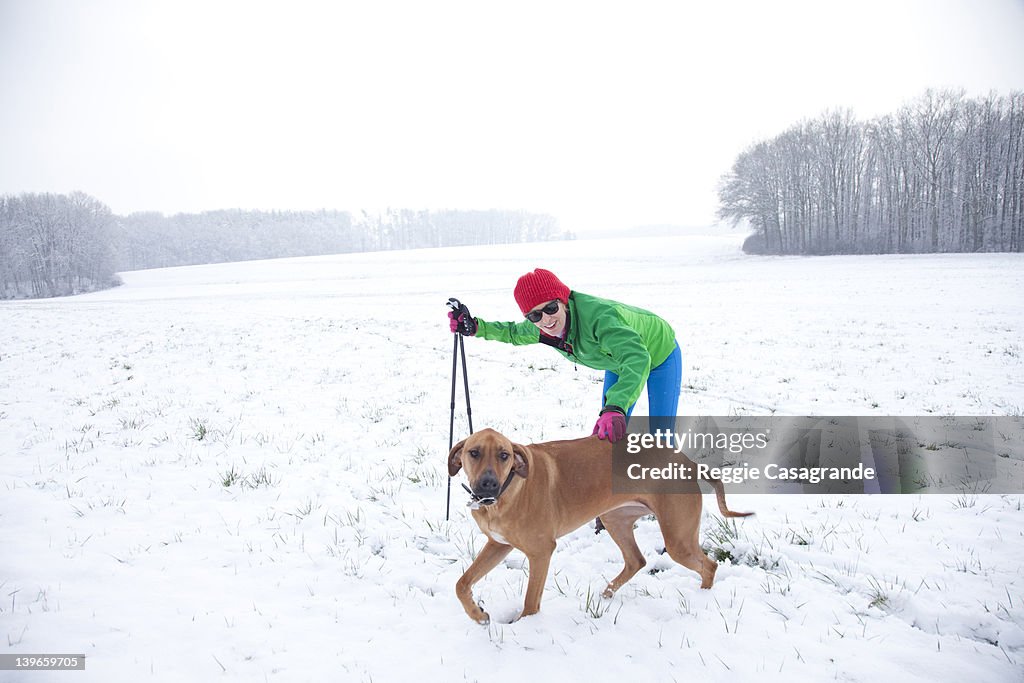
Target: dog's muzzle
[(476, 502), (487, 491)]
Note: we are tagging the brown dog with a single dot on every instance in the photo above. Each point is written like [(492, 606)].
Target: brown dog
[(528, 496)]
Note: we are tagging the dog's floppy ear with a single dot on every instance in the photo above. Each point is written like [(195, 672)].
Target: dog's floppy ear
[(455, 458), (520, 460)]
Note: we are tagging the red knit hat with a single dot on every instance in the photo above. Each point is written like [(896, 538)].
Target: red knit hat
[(539, 287)]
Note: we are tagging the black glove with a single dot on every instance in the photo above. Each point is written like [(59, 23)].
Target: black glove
[(462, 322)]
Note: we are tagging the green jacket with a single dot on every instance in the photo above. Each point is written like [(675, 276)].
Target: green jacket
[(603, 335)]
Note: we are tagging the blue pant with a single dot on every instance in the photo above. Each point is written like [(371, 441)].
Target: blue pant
[(663, 386)]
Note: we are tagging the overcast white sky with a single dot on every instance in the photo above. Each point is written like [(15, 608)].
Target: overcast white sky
[(604, 114)]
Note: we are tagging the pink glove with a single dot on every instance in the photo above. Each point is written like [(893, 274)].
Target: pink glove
[(611, 425)]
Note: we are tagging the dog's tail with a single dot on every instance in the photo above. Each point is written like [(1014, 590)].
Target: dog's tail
[(720, 495)]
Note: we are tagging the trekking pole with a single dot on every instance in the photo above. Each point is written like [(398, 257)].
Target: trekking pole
[(465, 382), (458, 345), (451, 424)]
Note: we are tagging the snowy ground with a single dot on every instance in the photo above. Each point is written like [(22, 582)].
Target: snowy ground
[(237, 472)]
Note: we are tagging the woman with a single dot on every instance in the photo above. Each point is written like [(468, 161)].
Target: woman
[(633, 346)]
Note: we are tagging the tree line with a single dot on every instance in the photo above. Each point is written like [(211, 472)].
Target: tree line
[(945, 173), (54, 244)]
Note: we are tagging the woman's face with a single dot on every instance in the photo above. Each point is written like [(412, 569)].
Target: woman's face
[(551, 324)]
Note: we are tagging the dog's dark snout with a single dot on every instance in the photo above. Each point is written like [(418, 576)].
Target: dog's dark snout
[(487, 485)]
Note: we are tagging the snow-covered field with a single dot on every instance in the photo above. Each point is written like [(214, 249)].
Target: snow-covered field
[(237, 472)]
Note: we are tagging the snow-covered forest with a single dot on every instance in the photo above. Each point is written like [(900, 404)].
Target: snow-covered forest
[(53, 244), (945, 173)]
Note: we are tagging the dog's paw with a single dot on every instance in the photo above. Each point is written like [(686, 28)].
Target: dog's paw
[(480, 616), (608, 592)]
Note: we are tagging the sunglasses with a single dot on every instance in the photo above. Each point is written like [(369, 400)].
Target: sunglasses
[(550, 309)]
